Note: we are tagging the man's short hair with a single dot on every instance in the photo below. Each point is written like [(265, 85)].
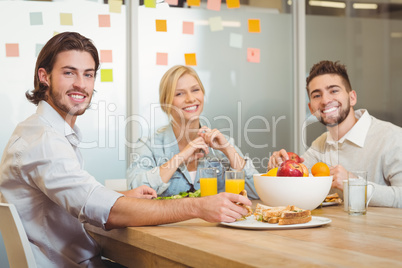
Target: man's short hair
[(329, 67)]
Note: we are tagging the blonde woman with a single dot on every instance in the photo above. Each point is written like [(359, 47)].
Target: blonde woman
[(168, 162)]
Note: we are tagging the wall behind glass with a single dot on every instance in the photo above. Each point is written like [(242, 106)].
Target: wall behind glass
[(251, 102), (371, 50)]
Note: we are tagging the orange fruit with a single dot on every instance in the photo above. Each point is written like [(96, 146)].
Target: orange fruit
[(320, 169), (272, 172)]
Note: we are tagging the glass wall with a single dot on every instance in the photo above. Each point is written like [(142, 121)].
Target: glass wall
[(249, 98), (369, 41)]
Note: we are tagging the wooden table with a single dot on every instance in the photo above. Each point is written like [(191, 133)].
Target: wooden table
[(373, 240)]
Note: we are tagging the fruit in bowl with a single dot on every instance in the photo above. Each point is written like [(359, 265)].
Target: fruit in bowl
[(303, 192)]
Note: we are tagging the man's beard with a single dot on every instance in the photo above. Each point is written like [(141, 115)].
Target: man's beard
[(343, 114), (73, 111)]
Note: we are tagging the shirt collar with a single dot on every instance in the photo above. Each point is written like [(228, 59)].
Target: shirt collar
[(358, 133), (46, 111)]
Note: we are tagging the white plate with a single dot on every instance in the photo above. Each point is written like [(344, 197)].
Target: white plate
[(326, 204), (251, 223)]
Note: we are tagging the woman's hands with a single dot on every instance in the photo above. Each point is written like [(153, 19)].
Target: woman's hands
[(213, 138)]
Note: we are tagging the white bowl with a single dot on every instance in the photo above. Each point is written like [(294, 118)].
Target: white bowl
[(303, 192)]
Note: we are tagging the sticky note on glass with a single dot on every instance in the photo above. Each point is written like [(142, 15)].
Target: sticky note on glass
[(236, 40), (12, 50), (194, 3), (214, 5), (150, 3), (215, 24), (66, 19), (161, 25), (190, 59), (35, 18), (172, 2), (106, 75), (38, 48), (161, 58), (188, 27), (104, 20), (253, 55), (106, 56), (115, 6), (254, 26), (233, 3)]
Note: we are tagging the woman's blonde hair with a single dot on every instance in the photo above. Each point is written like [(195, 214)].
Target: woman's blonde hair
[(167, 86)]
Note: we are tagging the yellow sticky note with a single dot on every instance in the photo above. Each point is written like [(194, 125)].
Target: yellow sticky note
[(190, 59), (150, 3), (106, 75), (254, 26), (161, 25), (115, 6), (66, 19), (194, 3), (233, 3)]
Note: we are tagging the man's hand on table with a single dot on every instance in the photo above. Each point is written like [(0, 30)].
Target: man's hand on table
[(143, 191), (222, 207)]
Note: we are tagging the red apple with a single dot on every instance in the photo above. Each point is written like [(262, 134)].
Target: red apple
[(294, 157), (290, 168)]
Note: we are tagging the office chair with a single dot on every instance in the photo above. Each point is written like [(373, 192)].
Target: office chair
[(19, 251)]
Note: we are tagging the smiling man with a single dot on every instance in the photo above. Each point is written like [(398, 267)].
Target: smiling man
[(355, 140), (41, 171)]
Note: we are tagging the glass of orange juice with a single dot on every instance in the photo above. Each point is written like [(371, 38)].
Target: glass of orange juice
[(208, 181), (234, 181)]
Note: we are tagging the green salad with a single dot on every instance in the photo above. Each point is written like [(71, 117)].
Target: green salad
[(182, 195)]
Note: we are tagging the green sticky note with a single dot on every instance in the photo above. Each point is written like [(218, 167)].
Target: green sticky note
[(38, 49), (106, 75), (150, 3), (35, 18)]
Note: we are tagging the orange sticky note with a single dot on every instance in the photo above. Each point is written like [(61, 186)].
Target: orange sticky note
[(66, 19), (190, 59), (106, 56), (106, 75), (214, 5), (188, 27), (254, 26), (233, 3), (161, 58), (172, 2), (253, 55), (104, 20), (161, 25), (194, 3), (12, 50)]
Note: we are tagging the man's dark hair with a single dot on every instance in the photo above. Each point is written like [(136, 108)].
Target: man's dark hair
[(329, 67), (59, 43)]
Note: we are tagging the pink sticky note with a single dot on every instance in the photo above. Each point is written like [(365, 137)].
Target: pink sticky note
[(172, 2), (12, 50), (188, 27), (106, 56), (161, 58), (253, 55), (104, 20), (214, 5)]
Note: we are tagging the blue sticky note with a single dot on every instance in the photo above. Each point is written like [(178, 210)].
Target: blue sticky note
[(38, 49), (35, 18)]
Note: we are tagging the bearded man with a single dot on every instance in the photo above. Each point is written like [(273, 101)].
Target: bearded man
[(355, 140)]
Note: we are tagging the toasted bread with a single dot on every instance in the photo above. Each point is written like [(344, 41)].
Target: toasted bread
[(249, 209), (282, 215), (284, 221)]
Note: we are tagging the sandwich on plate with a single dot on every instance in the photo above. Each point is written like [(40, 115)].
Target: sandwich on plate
[(282, 215)]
